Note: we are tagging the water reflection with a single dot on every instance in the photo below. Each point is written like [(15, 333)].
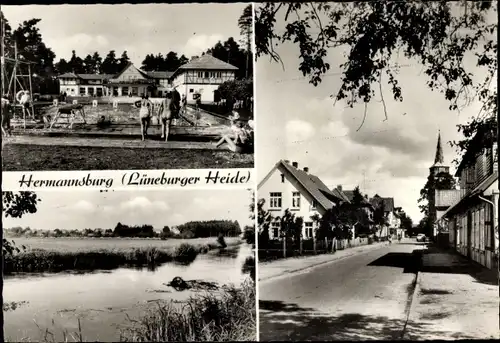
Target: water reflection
[(103, 300)]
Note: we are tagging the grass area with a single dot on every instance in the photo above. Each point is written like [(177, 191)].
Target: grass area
[(36, 260), (78, 244), (18, 157), (228, 314)]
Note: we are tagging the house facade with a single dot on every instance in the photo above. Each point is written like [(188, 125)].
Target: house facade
[(472, 219), (131, 81), (393, 221), (202, 75), (304, 194)]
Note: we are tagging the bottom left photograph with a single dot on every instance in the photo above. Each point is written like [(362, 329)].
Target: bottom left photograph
[(130, 266)]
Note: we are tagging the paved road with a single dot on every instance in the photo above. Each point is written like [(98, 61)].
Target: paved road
[(365, 296)]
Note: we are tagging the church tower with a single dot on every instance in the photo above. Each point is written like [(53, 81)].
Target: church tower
[(439, 166), (435, 171)]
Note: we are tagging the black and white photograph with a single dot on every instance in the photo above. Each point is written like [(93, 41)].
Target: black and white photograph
[(377, 167), (141, 266), (127, 86)]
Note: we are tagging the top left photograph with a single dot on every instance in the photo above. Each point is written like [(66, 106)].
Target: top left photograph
[(127, 87)]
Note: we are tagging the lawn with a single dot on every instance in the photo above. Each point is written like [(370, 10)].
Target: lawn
[(85, 244), (18, 157)]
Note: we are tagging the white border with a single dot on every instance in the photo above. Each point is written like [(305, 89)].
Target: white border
[(129, 179)]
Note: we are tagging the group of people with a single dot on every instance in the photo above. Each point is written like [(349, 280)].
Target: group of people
[(168, 110), (243, 134)]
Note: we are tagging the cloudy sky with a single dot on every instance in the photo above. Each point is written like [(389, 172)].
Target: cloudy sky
[(92, 209), (139, 29), (299, 122)]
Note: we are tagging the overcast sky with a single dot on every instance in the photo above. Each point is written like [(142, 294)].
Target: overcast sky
[(298, 121), (188, 29), (92, 209)]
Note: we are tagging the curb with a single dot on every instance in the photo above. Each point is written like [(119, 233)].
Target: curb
[(316, 265), (411, 306)]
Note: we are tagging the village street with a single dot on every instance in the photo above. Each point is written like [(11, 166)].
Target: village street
[(374, 294)]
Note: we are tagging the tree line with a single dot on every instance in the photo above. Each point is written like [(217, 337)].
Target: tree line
[(196, 229), (45, 69)]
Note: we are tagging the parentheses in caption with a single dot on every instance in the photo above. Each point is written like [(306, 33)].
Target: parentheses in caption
[(123, 178), (248, 177)]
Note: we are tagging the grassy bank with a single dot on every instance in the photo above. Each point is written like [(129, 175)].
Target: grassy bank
[(225, 315), (53, 261), (17, 157)]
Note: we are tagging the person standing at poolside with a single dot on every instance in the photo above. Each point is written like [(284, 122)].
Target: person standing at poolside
[(145, 115), (165, 115)]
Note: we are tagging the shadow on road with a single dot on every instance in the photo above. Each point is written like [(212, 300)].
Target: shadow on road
[(409, 262), (289, 322)]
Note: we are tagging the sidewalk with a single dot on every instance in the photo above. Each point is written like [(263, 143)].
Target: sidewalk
[(453, 299), (273, 269)]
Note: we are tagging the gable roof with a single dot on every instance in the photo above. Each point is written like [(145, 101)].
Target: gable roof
[(350, 196), (95, 76), (207, 61), (68, 76), (312, 184), (159, 74), (130, 64), (388, 202)]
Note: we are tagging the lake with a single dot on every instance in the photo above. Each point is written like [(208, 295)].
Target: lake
[(103, 300)]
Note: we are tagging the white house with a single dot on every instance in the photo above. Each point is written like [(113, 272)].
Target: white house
[(130, 81), (202, 75), (304, 194)]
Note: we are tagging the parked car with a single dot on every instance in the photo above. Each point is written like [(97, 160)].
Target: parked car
[(421, 237)]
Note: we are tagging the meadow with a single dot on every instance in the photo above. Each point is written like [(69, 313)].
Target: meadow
[(54, 255)]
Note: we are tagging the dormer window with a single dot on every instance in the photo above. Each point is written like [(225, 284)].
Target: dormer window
[(314, 205), (282, 178)]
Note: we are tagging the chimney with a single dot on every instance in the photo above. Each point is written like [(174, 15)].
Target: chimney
[(287, 161), (306, 169), (295, 164), (339, 187)]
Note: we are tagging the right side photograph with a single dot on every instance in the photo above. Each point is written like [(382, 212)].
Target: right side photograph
[(377, 165)]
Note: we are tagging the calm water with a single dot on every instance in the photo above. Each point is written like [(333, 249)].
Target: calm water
[(102, 300)]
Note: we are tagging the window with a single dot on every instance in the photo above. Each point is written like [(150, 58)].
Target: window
[(191, 90), (309, 229), (91, 91), (82, 90), (296, 199), (314, 205), (207, 75), (124, 90), (135, 90), (275, 200), (282, 178), (482, 235), (200, 74), (275, 229), (99, 91)]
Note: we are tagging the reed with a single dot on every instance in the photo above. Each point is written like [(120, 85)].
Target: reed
[(228, 314), (39, 260)]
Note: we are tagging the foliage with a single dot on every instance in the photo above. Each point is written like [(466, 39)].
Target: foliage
[(237, 90), (39, 260), (406, 222), (171, 62), (245, 23), (18, 204), (210, 228), (264, 220), (228, 314), (291, 226), (438, 35), (380, 219), (442, 180), (122, 230), (230, 51)]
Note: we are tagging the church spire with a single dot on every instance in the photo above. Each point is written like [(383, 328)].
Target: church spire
[(439, 159)]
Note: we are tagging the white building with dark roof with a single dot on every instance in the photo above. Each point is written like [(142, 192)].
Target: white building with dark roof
[(130, 81), (202, 75), (304, 194)]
